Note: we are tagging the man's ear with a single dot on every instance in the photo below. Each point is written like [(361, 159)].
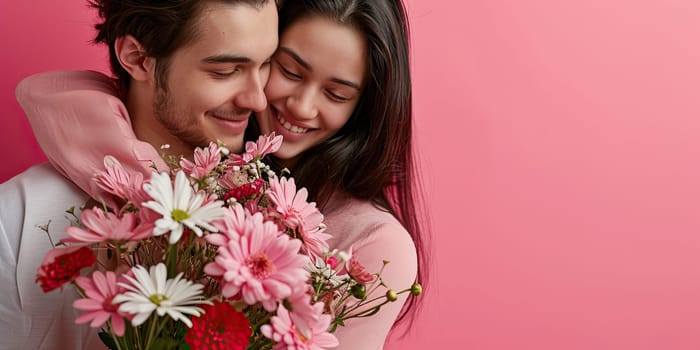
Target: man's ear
[(133, 58)]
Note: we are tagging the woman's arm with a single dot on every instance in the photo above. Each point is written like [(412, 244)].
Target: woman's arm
[(78, 119), (389, 242)]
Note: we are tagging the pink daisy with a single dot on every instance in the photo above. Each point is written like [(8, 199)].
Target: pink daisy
[(292, 333), (101, 226), (262, 265), (234, 224), (265, 145), (233, 178), (300, 305), (99, 292), (297, 214), (257, 207), (118, 181), (205, 160), (358, 272)]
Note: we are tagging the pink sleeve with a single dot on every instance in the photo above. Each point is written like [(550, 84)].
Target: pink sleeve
[(388, 242), (78, 120)]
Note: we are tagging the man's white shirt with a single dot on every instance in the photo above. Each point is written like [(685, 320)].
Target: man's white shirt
[(30, 318)]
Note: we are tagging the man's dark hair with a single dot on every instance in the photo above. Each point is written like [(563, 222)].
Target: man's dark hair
[(160, 26)]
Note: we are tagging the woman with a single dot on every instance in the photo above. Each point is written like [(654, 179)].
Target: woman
[(339, 92)]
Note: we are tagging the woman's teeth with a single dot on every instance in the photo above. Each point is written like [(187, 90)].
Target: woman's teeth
[(293, 128)]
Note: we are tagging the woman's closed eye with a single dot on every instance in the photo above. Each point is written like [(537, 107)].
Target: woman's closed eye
[(336, 96), (288, 73)]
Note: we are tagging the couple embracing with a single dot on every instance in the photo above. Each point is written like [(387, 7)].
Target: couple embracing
[(331, 77)]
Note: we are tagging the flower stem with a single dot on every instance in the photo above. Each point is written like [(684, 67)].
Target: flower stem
[(171, 260), (151, 331), (116, 341)]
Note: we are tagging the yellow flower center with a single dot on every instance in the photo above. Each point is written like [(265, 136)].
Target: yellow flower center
[(179, 215), (158, 298)]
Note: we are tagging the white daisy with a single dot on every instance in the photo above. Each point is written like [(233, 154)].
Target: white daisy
[(323, 273), (181, 207), (153, 291)]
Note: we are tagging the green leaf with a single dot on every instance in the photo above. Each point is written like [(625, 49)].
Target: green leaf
[(167, 343), (107, 340)]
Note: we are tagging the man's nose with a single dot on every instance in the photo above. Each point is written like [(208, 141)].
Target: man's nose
[(252, 96)]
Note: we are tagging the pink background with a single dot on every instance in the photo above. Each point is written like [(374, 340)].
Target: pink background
[(560, 142)]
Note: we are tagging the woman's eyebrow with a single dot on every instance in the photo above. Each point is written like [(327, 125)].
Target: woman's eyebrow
[(296, 57), (289, 52)]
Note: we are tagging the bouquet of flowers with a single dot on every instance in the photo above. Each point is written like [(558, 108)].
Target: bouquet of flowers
[(220, 253)]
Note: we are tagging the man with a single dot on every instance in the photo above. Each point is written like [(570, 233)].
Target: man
[(189, 72)]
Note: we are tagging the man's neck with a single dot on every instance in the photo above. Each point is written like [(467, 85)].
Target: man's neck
[(147, 127)]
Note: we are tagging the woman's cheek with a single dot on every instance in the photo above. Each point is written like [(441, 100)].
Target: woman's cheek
[(278, 87)]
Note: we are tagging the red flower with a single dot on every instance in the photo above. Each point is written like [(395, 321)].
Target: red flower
[(244, 191), (221, 327), (63, 265)]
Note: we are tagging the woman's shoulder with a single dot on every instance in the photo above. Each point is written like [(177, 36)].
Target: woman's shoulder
[(360, 217), (361, 225)]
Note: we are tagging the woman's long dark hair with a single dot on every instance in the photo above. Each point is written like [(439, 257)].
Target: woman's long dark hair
[(371, 157)]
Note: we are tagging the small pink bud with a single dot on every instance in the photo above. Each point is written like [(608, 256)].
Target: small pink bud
[(332, 262), (358, 272)]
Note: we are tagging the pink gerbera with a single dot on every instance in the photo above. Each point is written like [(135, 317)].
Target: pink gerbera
[(102, 226), (234, 223), (205, 160), (100, 289), (265, 145), (262, 265), (358, 272), (297, 214), (118, 181), (300, 304), (233, 178), (292, 333)]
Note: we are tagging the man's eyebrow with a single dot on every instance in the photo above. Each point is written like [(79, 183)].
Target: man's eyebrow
[(226, 58), (306, 65)]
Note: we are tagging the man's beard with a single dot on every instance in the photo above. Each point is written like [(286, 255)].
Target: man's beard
[(176, 122)]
